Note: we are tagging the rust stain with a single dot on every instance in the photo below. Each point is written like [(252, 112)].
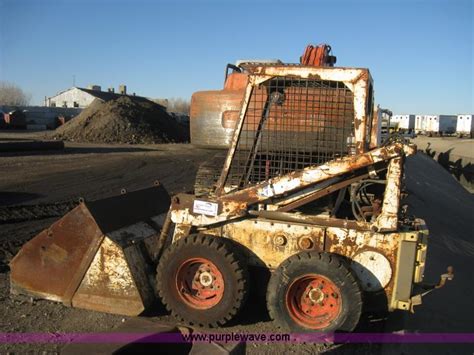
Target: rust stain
[(53, 253), (269, 243), (349, 243), (52, 264)]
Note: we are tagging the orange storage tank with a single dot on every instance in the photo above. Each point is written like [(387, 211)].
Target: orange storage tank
[(214, 113)]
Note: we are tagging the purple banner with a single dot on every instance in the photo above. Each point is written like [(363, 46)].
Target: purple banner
[(126, 338)]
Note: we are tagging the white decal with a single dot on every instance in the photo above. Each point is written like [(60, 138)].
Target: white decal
[(205, 207)]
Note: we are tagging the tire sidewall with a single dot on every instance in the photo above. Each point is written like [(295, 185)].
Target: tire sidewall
[(170, 293), (286, 275)]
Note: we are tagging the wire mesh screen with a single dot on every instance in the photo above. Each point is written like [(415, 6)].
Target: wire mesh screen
[(292, 123)]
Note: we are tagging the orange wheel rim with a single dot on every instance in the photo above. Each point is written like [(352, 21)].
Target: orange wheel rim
[(199, 283), (313, 301)]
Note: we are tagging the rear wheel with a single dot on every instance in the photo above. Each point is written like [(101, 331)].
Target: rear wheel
[(201, 281), (313, 291)]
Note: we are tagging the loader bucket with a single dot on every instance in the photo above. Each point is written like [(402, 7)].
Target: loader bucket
[(97, 256)]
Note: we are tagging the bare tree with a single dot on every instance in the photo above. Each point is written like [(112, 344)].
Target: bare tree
[(13, 95), (178, 105)]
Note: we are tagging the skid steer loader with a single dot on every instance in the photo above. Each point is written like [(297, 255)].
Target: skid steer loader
[(306, 191)]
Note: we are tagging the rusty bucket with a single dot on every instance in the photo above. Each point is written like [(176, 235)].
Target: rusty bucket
[(99, 256)]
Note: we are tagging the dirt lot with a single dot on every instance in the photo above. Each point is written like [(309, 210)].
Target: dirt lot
[(95, 171)]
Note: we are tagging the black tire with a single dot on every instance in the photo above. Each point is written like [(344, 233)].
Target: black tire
[(346, 304), (233, 275)]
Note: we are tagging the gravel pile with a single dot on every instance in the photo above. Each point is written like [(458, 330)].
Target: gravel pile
[(123, 120)]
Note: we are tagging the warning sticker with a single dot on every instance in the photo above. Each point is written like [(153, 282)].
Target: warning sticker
[(205, 207)]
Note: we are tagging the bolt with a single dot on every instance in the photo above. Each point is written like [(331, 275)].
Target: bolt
[(305, 243), (280, 240)]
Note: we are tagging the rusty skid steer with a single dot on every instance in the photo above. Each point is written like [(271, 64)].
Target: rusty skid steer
[(306, 192)]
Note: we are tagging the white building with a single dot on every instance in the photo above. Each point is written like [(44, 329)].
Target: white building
[(465, 125), (82, 97), (441, 124), (405, 122)]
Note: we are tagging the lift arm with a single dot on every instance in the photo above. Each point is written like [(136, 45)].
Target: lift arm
[(298, 180)]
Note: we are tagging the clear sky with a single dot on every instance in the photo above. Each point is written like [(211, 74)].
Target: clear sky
[(420, 52)]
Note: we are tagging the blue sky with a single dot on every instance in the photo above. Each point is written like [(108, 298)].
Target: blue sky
[(420, 52)]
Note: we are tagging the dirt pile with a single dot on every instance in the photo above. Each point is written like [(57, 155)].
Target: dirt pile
[(123, 120)]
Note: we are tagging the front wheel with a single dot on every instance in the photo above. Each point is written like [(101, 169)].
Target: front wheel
[(202, 281), (313, 291)]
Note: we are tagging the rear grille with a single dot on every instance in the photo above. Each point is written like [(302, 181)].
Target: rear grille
[(292, 123)]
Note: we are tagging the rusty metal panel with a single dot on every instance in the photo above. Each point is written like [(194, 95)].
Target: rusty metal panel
[(375, 132), (375, 271), (375, 257), (236, 81), (108, 285), (318, 220), (117, 279), (133, 240), (52, 264), (388, 218), (270, 242), (209, 123)]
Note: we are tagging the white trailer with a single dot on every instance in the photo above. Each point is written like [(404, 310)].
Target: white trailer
[(420, 124), (406, 123), (465, 126), (441, 124)]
